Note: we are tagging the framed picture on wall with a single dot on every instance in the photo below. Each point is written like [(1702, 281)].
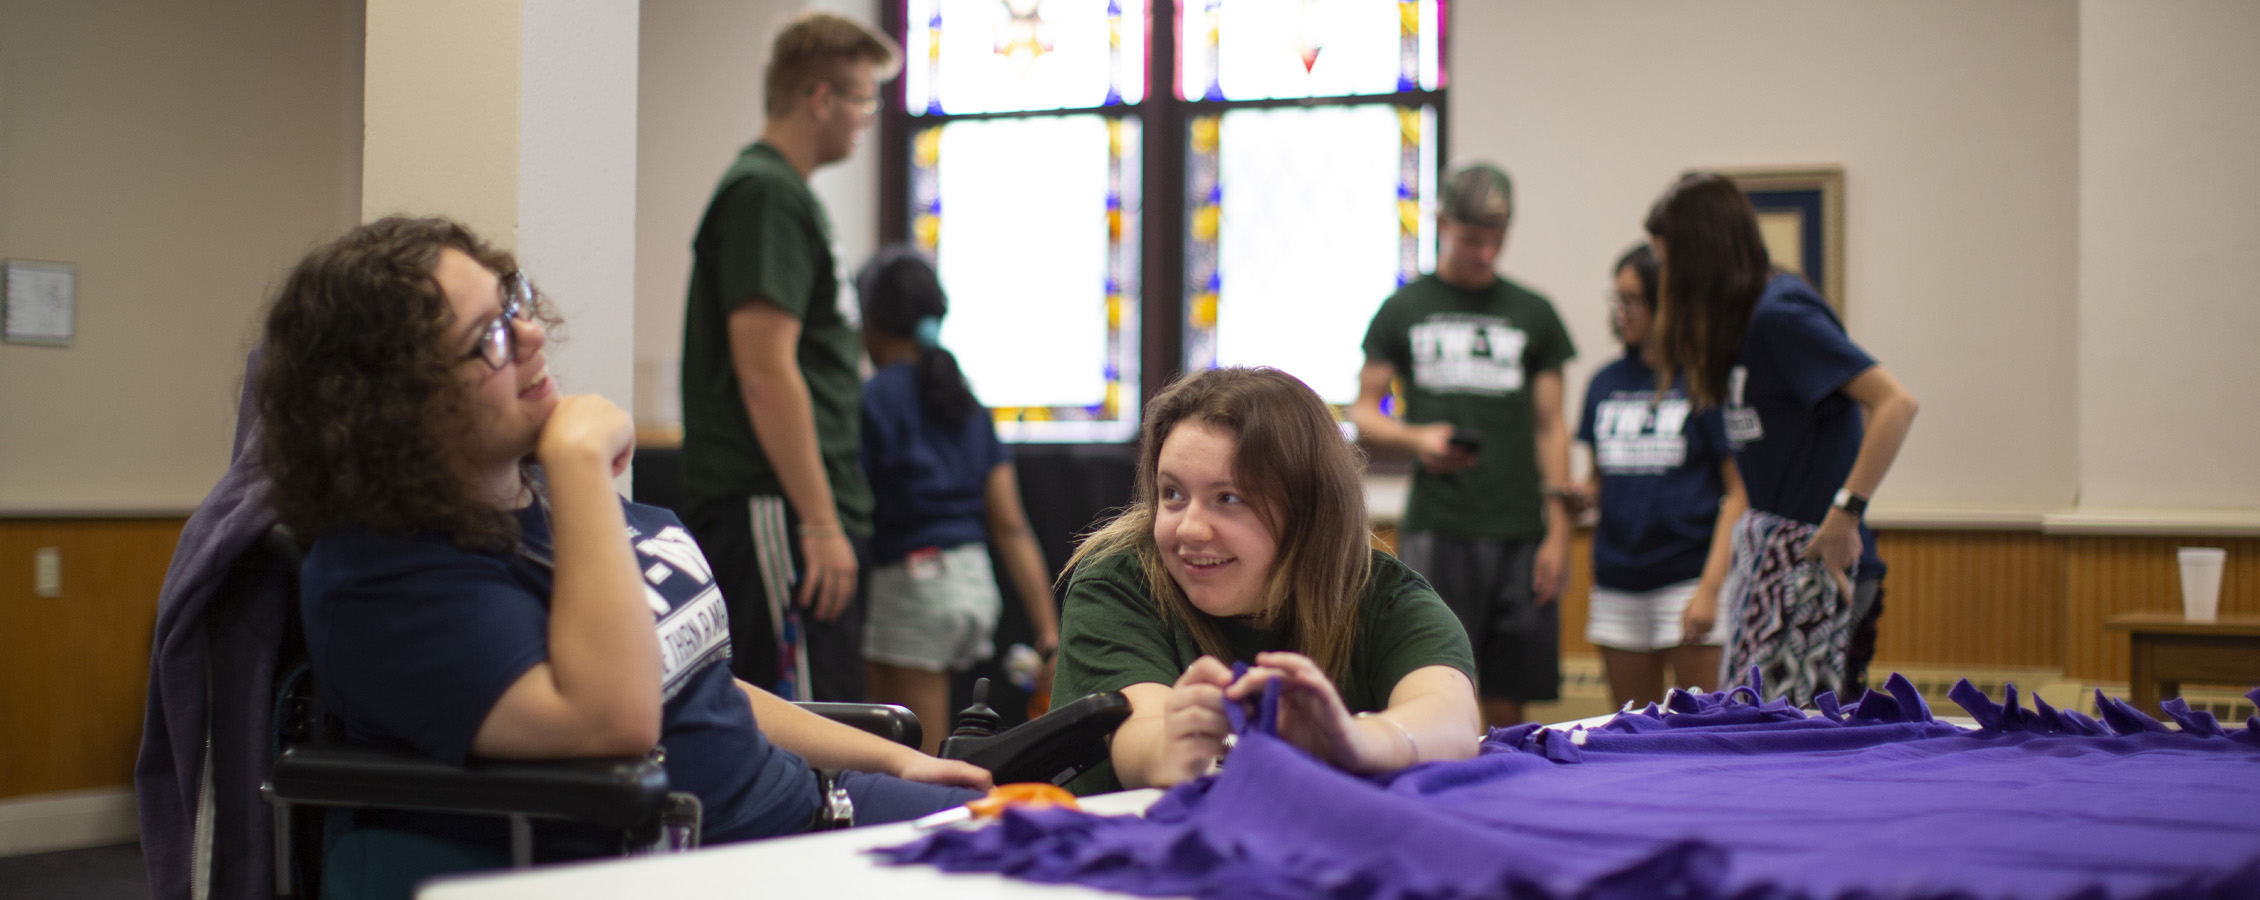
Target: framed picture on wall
[(1801, 215)]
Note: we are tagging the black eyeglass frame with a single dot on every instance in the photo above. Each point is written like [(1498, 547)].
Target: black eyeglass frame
[(498, 341)]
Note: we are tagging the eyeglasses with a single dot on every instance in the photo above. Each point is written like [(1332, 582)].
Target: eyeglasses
[(498, 342), (868, 104)]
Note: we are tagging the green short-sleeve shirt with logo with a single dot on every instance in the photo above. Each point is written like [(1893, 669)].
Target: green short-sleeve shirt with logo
[(1468, 357), (1112, 636), (765, 236)]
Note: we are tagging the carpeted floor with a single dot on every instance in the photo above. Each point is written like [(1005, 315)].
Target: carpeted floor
[(99, 873)]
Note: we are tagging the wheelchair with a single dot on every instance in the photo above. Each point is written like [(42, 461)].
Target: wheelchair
[(629, 798)]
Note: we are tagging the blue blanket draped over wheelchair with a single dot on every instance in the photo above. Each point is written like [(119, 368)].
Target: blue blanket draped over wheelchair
[(1712, 796)]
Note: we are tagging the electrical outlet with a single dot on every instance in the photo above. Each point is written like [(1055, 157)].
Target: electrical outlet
[(47, 571)]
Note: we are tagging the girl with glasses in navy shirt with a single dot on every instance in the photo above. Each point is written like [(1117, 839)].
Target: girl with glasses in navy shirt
[(476, 588)]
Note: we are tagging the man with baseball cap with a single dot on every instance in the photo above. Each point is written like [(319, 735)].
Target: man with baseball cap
[(1477, 363)]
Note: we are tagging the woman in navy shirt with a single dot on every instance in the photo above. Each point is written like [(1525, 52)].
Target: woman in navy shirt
[(1669, 495), (1764, 346), (476, 588), (942, 483)]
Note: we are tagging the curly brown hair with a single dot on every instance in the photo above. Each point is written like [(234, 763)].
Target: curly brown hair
[(360, 393)]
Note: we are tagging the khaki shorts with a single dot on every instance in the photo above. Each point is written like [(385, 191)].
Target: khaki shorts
[(933, 611)]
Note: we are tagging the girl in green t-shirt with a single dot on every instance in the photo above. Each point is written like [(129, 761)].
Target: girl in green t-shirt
[(1248, 532)]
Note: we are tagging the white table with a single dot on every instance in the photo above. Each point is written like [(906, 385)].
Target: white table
[(828, 864)]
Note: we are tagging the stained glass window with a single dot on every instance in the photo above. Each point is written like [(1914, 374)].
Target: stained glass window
[(1301, 220), (1033, 223), (989, 56), (1300, 153), (1266, 49)]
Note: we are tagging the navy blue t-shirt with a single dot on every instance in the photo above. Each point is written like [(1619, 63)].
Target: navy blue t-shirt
[(930, 483), (1660, 485), (413, 640), (1795, 434)]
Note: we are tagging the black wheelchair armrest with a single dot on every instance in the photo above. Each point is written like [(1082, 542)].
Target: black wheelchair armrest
[(895, 723), (629, 795), (612, 793), (1054, 747)]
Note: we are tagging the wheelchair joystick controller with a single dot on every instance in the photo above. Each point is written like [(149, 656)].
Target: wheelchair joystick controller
[(978, 720), (1054, 747)]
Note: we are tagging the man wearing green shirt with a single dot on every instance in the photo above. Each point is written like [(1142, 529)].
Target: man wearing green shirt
[(1479, 359), (774, 490)]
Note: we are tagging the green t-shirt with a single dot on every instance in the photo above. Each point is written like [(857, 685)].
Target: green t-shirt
[(1111, 636), (1468, 358), (765, 236)]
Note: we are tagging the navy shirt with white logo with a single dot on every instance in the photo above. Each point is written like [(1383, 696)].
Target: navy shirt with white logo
[(1659, 460), (1795, 433), (413, 640)]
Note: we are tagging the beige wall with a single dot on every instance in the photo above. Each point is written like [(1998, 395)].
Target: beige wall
[(1959, 125), (1956, 124), (442, 113), (181, 155), (2043, 200), (2169, 383), (699, 104)]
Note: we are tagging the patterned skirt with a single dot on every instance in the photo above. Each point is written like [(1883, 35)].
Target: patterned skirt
[(1790, 619)]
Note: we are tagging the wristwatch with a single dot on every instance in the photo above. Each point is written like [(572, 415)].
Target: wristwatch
[(1850, 502)]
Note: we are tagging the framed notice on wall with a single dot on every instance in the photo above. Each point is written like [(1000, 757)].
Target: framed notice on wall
[(38, 302), (1801, 215)]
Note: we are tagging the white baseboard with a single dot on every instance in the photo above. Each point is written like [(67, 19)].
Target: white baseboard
[(68, 820)]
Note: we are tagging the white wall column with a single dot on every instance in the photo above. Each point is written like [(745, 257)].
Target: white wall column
[(577, 184), (519, 119)]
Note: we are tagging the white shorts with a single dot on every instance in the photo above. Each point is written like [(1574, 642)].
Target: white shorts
[(933, 612), (1644, 620)]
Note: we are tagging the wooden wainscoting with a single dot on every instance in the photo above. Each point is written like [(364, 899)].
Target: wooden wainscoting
[(1999, 600), (1992, 599), (74, 669), (2106, 576)]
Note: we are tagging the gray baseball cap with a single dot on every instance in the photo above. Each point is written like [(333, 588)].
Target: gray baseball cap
[(1477, 194)]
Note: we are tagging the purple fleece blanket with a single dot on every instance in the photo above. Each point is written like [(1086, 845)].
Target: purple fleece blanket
[(1711, 796)]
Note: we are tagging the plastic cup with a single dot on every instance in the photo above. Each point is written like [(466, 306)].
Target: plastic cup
[(2201, 582)]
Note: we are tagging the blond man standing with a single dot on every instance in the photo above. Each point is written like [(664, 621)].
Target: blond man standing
[(774, 491)]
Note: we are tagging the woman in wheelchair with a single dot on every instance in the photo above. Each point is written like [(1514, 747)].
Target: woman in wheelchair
[(476, 588), (1247, 541)]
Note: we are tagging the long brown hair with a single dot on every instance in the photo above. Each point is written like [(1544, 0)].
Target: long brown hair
[(360, 395), (1714, 269), (1301, 476)]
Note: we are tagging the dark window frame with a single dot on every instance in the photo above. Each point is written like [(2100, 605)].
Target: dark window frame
[(1163, 119)]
